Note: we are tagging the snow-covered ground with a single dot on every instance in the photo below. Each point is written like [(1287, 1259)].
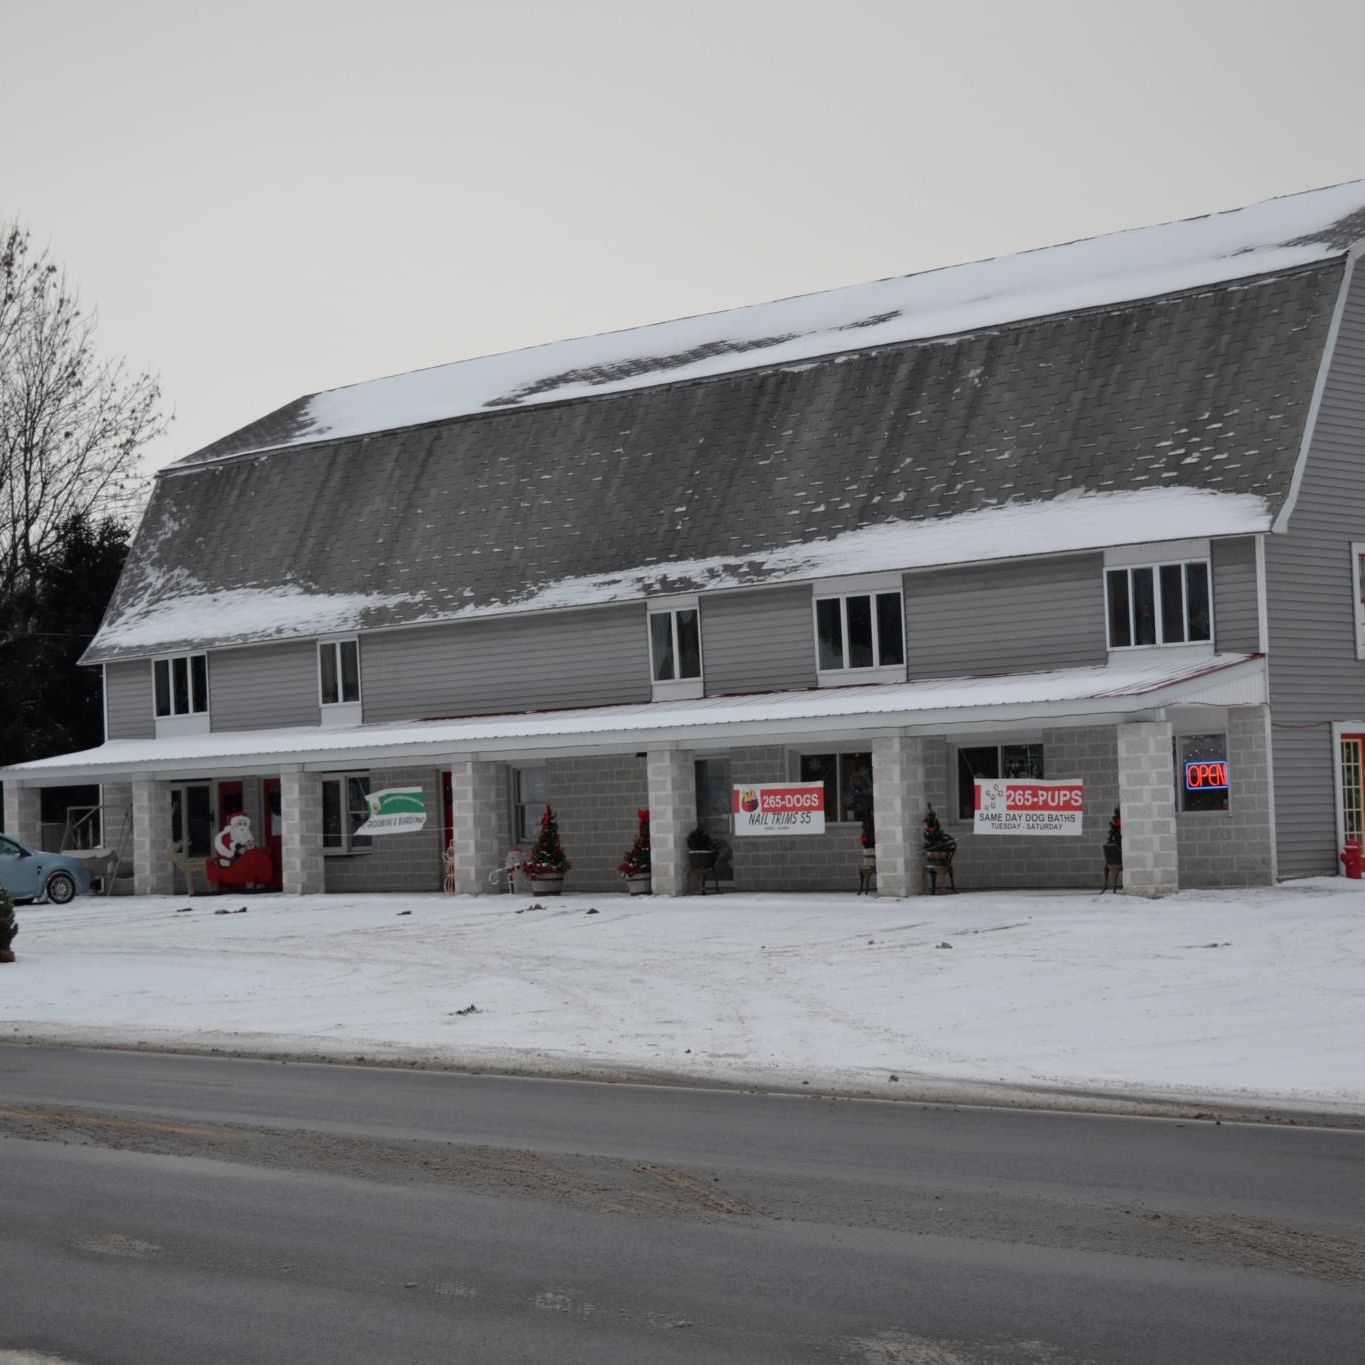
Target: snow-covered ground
[(1253, 996)]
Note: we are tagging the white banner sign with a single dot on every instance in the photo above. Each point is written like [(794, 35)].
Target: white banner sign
[(1005, 806), (780, 808), (395, 810)]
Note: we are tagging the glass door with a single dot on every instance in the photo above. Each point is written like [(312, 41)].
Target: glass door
[(1352, 803), (713, 807)]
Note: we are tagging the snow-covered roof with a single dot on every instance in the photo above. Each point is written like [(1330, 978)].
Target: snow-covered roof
[(1138, 683), (1273, 236)]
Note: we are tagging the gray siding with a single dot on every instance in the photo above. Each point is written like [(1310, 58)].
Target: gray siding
[(1006, 618), (1236, 629), (1315, 677), (758, 641), (272, 685), (521, 663), (128, 700)]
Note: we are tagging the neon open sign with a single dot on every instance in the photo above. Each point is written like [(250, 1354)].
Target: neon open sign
[(1206, 777)]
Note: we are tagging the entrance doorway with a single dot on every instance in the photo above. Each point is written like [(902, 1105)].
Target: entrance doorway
[(192, 822), (274, 829)]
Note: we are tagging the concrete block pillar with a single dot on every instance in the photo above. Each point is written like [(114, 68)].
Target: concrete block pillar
[(301, 833), (1151, 863), (672, 816), (900, 794), (153, 872), (24, 814), (479, 805)]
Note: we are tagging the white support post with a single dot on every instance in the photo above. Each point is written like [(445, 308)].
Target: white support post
[(672, 815), (1151, 863), (900, 793), (153, 872), (479, 805), (301, 833)]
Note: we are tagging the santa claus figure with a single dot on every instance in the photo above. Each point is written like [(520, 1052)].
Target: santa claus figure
[(234, 839), (236, 860)]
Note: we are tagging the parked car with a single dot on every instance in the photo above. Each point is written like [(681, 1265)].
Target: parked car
[(27, 874)]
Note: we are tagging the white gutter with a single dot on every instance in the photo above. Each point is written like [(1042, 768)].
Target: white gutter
[(1237, 684)]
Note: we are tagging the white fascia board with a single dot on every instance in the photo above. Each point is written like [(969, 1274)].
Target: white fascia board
[(1242, 684), (1310, 426)]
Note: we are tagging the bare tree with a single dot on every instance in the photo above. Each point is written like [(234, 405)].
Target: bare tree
[(71, 425)]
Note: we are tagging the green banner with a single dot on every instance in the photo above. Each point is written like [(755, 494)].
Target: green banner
[(395, 810)]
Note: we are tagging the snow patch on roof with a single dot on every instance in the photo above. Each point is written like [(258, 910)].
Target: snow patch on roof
[(1070, 522), (1277, 235), (256, 614), (178, 613)]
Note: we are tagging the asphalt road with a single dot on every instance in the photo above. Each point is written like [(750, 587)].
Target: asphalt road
[(176, 1209)]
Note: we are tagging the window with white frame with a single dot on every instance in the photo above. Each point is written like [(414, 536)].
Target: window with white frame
[(1159, 604), (859, 630), (848, 784), (338, 672), (993, 760), (344, 810), (180, 685), (675, 644), (530, 796)]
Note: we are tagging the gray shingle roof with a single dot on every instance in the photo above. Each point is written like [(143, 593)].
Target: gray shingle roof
[(1206, 389), (1274, 236)]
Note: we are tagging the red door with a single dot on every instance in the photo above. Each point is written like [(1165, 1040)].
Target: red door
[(274, 829)]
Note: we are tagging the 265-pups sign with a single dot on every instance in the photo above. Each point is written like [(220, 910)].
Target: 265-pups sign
[(780, 808), (1004, 806)]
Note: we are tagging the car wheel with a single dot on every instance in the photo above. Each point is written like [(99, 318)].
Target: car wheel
[(61, 888)]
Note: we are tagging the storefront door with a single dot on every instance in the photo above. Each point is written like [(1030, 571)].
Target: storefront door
[(192, 820), (274, 828)]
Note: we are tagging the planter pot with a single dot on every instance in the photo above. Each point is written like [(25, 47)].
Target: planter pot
[(939, 857), (641, 884), (547, 886), (870, 859)]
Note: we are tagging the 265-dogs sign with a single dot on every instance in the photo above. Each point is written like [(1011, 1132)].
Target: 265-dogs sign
[(1027, 807), (780, 808)]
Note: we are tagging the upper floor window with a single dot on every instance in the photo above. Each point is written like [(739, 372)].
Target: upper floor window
[(1159, 604), (338, 671), (860, 630), (675, 644), (181, 685), (675, 662)]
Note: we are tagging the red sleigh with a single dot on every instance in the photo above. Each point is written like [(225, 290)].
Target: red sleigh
[(252, 867)]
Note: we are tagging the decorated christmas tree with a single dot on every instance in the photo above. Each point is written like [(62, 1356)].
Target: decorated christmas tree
[(1113, 845), (935, 840), (547, 857), (636, 862)]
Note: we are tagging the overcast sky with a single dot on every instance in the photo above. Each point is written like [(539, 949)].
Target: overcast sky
[(267, 199)]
